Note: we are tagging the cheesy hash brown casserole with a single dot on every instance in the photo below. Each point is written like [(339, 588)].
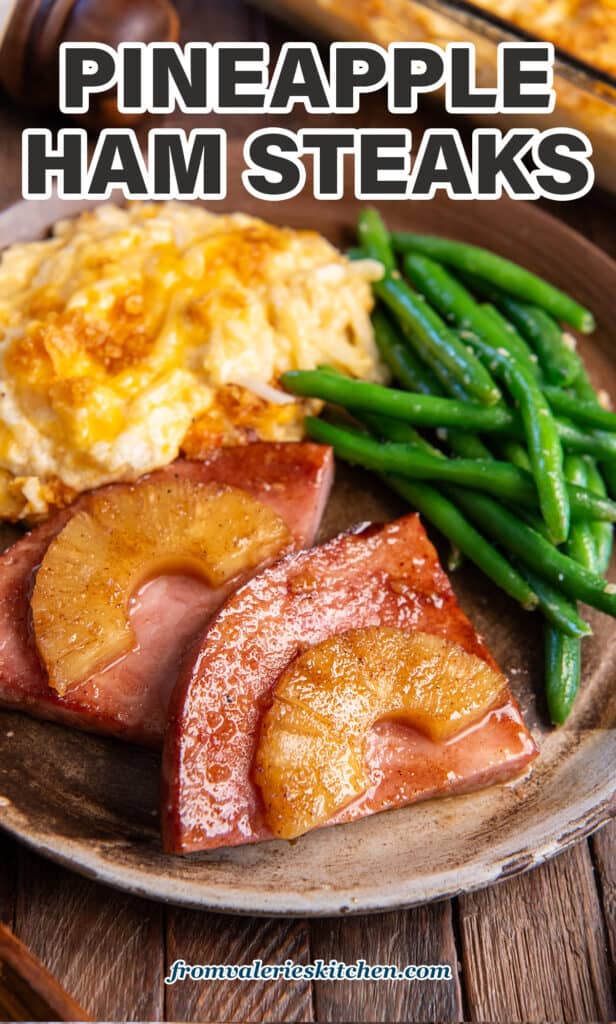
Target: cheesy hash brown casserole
[(132, 335)]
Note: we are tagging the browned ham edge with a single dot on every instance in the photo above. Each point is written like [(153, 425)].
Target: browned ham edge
[(129, 699), (379, 576)]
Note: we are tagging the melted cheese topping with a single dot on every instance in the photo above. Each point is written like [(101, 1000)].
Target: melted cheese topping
[(134, 334)]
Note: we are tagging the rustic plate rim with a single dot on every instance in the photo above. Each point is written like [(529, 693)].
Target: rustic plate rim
[(475, 874), (514, 861)]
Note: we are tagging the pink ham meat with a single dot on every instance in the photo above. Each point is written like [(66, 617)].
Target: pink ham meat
[(378, 576), (129, 699)]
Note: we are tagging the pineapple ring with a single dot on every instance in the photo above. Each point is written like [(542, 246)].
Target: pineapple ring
[(310, 757), (125, 537)]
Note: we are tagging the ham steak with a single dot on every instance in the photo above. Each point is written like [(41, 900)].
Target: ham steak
[(374, 576), (129, 698)]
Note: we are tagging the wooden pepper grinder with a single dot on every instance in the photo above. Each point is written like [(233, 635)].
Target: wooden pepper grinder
[(31, 32)]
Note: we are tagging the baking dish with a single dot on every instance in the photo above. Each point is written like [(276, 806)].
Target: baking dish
[(586, 94)]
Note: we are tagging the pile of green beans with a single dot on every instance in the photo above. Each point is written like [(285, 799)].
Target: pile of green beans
[(520, 468)]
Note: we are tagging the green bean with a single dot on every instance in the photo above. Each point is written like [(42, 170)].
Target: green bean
[(417, 377), (412, 363), (467, 446), (328, 368), (434, 411), (515, 344), (434, 507), (398, 357), (584, 389), (563, 659), (586, 442), (535, 521), (411, 456), (586, 504), (589, 413), (562, 651), (426, 410), (374, 238), (442, 344), (499, 271), (553, 604), (559, 362), (563, 654), (397, 431), (515, 453), (448, 383), (598, 443), (356, 253), (583, 386), (461, 443), (544, 447), (608, 471), (531, 548), (588, 545), (480, 287), (455, 559), (537, 330), (421, 410), (555, 607), (432, 377), (603, 532), (581, 542)]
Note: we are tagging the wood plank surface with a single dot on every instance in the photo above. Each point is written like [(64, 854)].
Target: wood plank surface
[(201, 938), (12, 123), (534, 947), (8, 879), (27, 989), (106, 948), (603, 846), (420, 936)]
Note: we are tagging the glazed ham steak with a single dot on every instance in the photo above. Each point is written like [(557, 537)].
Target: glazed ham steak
[(128, 698), (227, 747)]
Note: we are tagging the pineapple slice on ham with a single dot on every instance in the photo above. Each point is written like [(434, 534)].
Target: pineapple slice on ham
[(310, 760), (129, 698)]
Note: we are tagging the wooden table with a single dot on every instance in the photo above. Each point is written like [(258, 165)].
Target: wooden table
[(537, 947)]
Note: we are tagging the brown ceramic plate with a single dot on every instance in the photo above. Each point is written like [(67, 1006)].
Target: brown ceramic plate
[(92, 804)]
